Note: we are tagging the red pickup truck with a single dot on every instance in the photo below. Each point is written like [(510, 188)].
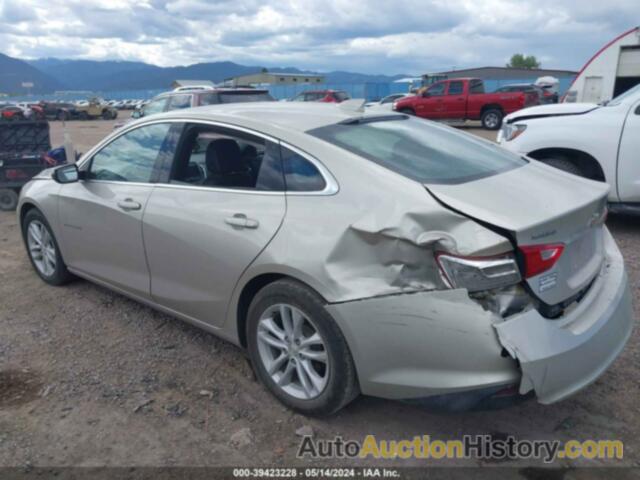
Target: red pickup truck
[(464, 99)]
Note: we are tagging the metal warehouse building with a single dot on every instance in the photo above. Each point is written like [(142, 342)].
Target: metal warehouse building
[(613, 70), (495, 77), (269, 78)]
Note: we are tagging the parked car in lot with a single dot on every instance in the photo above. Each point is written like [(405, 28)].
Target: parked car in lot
[(326, 96), (600, 142), (12, 113), (386, 103), (463, 99), (347, 252), (59, 110), (95, 108), (187, 97)]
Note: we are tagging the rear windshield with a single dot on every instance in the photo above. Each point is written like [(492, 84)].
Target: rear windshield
[(420, 150)]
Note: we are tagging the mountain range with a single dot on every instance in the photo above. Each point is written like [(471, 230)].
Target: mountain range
[(51, 74)]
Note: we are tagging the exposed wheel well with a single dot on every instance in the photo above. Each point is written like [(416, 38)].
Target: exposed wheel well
[(585, 162), (248, 292), (246, 297), (491, 106), (24, 210)]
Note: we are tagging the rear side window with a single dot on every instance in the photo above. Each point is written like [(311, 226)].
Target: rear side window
[(244, 97), (476, 86), (300, 174), (419, 150)]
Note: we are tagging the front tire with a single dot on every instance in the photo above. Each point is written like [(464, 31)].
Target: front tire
[(492, 119), (43, 249), (297, 350), (407, 111)]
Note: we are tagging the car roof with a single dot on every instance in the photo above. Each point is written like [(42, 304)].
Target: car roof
[(292, 116)]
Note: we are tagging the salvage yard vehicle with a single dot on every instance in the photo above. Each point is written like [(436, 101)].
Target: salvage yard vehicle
[(95, 108), (325, 96), (600, 142), (347, 252), (59, 110), (23, 145), (386, 103), (11, 113), (464, 99), (187, 97)]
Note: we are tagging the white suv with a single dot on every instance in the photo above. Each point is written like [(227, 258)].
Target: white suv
[(600, 142)]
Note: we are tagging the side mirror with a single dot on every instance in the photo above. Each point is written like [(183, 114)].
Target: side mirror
[(67, 174), (136, 114), (425, 94)]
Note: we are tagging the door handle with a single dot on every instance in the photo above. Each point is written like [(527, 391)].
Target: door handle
[(240, 220), (129, 204)]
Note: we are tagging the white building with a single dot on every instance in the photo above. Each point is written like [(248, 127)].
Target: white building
[(614, 69)]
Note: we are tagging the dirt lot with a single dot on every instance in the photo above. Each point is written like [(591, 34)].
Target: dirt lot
[(90, 378)]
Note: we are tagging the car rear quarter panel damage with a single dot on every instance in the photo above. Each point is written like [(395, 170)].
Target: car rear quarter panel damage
[(376, 236)]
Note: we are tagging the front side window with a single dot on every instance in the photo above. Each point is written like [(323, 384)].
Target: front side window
[(436, 90), (131, 157), (178, 102), (419, 150), (224, 158), (155, 106)]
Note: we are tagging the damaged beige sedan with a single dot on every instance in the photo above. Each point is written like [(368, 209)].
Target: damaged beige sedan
[(347, 252)]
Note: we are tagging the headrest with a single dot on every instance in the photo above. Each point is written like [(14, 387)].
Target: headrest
[(223, 156)]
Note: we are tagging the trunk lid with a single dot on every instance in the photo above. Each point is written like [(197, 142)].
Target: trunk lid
[(540, 205)]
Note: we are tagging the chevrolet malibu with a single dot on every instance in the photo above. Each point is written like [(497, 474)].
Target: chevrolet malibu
[(346, 252)]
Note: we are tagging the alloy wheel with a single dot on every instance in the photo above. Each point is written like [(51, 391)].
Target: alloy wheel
[(293, 352), (492, 120), (41, 248)]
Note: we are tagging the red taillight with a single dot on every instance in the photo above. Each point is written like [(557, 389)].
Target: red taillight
[(540, 258)]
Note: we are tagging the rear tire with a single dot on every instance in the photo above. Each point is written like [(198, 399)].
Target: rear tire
[(334, 370), (492, 119), (564, 164), (43, 250), (8, 199)]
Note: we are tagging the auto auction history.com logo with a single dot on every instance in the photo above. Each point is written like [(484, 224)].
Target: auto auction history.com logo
[(483, 447)]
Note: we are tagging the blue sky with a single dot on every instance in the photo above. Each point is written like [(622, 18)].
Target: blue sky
[(400, 36)]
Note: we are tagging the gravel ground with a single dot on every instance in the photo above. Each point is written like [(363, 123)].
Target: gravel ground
[(90, 378)]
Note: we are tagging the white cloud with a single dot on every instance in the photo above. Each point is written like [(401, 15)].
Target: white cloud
[(377, 36)]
